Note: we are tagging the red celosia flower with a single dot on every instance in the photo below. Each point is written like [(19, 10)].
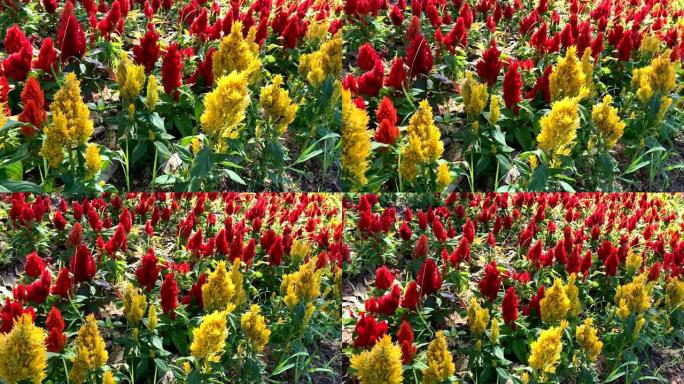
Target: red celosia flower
[(62, 285), (539, 37), (542, 86), (148, 271), (383, 278), (396, 15), (368, 331), (76, 235), (18, 64), (625, 46), (82, 264), (611, 263), (276, 251), (49, 5), (405, 232), (169, 295), (512, 84), (461, 253), (405, 339), (291, 32), (389, 302), (421, 247), (172, 70), (110, 22), (534, 305), (371, 82), (56, 340), (195, 294), (195, 242), (147, 52), (411, 296), (491, 281), (469, 231), (457, 36), (70, 33), (419, 56), (387, 131), (34, 265), (654, 271), (367, 57), (33, 100), (397, 74), (47, 56), (429, 278), (204, 69), (509, 306), (200, 24), (585, 266), (489, 66), (15, 40), (55, 319), (38, 291)]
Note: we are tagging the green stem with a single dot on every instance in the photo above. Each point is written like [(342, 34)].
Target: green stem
[(127, 162), (154, 167)]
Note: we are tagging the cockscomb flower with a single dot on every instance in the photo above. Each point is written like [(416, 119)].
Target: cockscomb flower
[(474, 96), (573, 295), (91, 353), (47, 56), (494, 112), (68, 103), (386, 115), (172, 70), (606, 120), (324, 63), (34, 107), (209, 338), (633, 298), (440, 363), (152, 94), (147, 52), (489, 67), (82, 264), (567, 77), (225, 106), (419, 56), (148, 272), (509, 306), (135, 304), (219, 289), (368, 331), (512, 83), (70, 35), (130, 77), (478, 318), (429, 278), (405, 338), (555, 304), (169, 295), (383, 278), (277, 105), (443, 176), (657, 78), (236, 53), (302, 286), (380, 365), (491, 281), (356, 145), (588, 340), (559, 129), (254, 326), (424, 142), (23, 355), (545, 351), (674, 293), (93, 161), (34, 265)]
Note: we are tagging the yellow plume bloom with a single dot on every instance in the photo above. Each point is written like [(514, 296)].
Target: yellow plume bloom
[(69, 103), (93, 161), (474, 96), (209, 339), (606, 120), (224, 107), (573, 295), (633, 297), (424, 142), (356, 145), (567, 76), (660, 77), (3, 117), (674, 293), (130, 77), (588, 340), (380, 365), (555, 304), (443, 176), (633, 261), (108, 378), (135, 304), (218, 291), (303, 285), (23, 355), (56, 135), (650, 44), (494, 112), (494, 330), (546, 350), (236, 53), (478, 318), (324, 63), (588, 70), (439, 360), (152, 95), (152, 318), (254, 326), (559, 129), (90, 351), (277, 105), (236, 277)]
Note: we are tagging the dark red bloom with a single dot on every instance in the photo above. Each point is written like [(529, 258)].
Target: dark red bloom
[(172, 73), (419, 56), (76, 235), (383, 278), (396, 15), (405, 338), (387, 131), (82, 264), (49, 5), (367, 57), (625, 46), (469, 231), (397, 74), (491, 281), (421, 247), (389, 302), (56, 340), (275, 252), (34, 265), (195, 242), (611, 263), (512, 83), (34, 113), (411, 296), (70, 33), (169, 295), (405, 232), (534, 305), (195, 294), (461, 253), (47, 56), (489, 67), (148, 271), (55, 319), (368, 331), (654, 271), (291, 32), (111, 21), (457, 36), (429, 278), (147, 52), (509, 306), (371, 82), (62, 285), (38, 291)]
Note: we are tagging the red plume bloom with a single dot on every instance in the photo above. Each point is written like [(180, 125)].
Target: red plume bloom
[(33, 100), (457, 36), (47, 56), (429, 278), (411, 296), (461, 253), (195, 294), (491, 281), (76, 235), (70, 33), (419, 56), (512, 84), (625, 46), (34, 265), (276, 251), (62, 285), (54, 319), (366, 57), (368, 331), (611, 263), (147, 52), (169, 295), (469, 231), (534, 303), (509, 306), (371, 82), (405, 339), (421, 247), (387, 131), (489, 66), (396, 16), (383, 278), (291, 32), (397, 74), (82, 264), (111, 21), (148, 271), (56, 340), (405, 232), (49, 5), (172, 70), (389, 302), (38, 291)]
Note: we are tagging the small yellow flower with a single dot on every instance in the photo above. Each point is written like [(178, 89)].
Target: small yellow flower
[(494, 331), (546, 350), (152, 317), (23, 355), (218, 291), (559, 129), (108, 378), (380, 365), (494, 112), (424, 142), (633, 297), (555, 304), (93, 161), (225, 106), (254, 326), (277, 105), (90, 351), (324, 63), (588, 340), (439, 360), (573, 295), (135, 304), (443, 176), (674, 294), (606, 120), (474, 96), (356, 140), (56, 136), (209, 339), (130, 77), (633, 261), (152, 96), (478, 318)]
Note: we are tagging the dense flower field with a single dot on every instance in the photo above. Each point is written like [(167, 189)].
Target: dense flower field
[(522, 288), (512, 95), (182, 95), (191, 288)]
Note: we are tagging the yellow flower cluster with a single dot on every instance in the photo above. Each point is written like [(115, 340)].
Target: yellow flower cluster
[(380, 365), (588, 70), (130, 77), (439, 360), (236, 53), (209, 339), (588, 340), (573, 295), (559, 129), (135, 304), (633, 261), (108, 378), (443, 176), (674, 294), (478, 318), (277, 105), (606, 120), (152, 318), (90, 351), (650, 44), (299, 250), (494, 111), (56, 135), (494, 330), (218, 291), (23, 355), (555, 304), (3, 117), (152, 94), (567, 77), (239, 295), (356, 145), (317, 30), (633, 298), (474, 96), (657, 78), (224, 107), (546, 350), (68, 102), (93, 161), (324, 63), (254, 327), (424, 142), (302, 286)]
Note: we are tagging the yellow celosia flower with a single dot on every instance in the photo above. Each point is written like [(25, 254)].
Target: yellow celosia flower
[(606, 120), (650, 44), (555, 304), (474, 96), (135, 304), (108, 378), (23, 355), (478, 318), (218, 291), (525, 377), (588, 70), (90, 351), (380, 365), (254, 327), (239, 294), (494, 112), (130, 77), (236, 53), (3, 117), (641, 79), (424, 142), (56, 135), (324, 63), (567, 76), (299, 250), (494, 330), (546, 350), (588, 340), (152, 95), (93, 161), (317, 30), (443, 176), (303, 285), (152, 318), (633, 297), (559, 129), (665, 103), (573, 295), (674, 294), (277, 105), (224, 107), (439, 360), (209, 339), (356, 145), (69, 103), (660, 77), (633, 261)]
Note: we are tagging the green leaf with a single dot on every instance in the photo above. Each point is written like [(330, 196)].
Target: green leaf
[(203, 164), (539, 178), (7, 186), (235, 177)]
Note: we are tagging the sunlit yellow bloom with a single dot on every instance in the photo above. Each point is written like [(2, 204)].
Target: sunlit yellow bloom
[(93, 161), (588, 340), (641, 80), (424, 142), (23, 355), (152, 96), (299, 250), (135, 304), (56, 135), (303, 285), (324, 63), (633, 261), (3, 117), (559, 129), (277, 105), (573, 295), (567, 76), (650, 44), (555, 304), (90, 351), (663, 74), (633, 297), (218, 291), (108, 378), (588, 70), (356, 144), (674, 293), (665, 104), (494, 112), (236, 277), (606, 119), (317, 30), (478, 318), (474, 96), (494, 330), (525, 377), (443, 176), (209, 338), (130, 77), (380, 365), (546, 350), (224, 107), (69, 103), (254, 326), (152, 317), (439, 360), (236, 53)]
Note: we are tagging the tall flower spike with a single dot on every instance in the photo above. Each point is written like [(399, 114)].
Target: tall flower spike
[(130, 77), (380, 365), (90, 351), (559, 129), (225, 106), (209, 339), (23, 355), (277, 105), (425, 145), (236, 53), (68, 102), (439, 360), (356, 145), (607, 122), (567, 77)]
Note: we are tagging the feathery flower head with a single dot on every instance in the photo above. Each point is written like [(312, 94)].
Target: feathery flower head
[(606, 119), (218, 290), (478, 318), (424, 142), (634, 297), (90, 351), (93, 161), (494, 330), (152, 318), (555, 304), (224, 107), (324, 63), (55, 139), (567, 76), (443, 176), (380, 365), (356, 145), (573, 295), (546, 350), (23, 355), (494, 112), (474, 96), (209, 338), (588, 340), (277, 105), (237, 53), (239, 294), (254, 326), (674, 293), (588, 70), (130, 77), (152, 94), (135, 304), (69, 103), (303, 285), (559, 129), (439, 360)]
